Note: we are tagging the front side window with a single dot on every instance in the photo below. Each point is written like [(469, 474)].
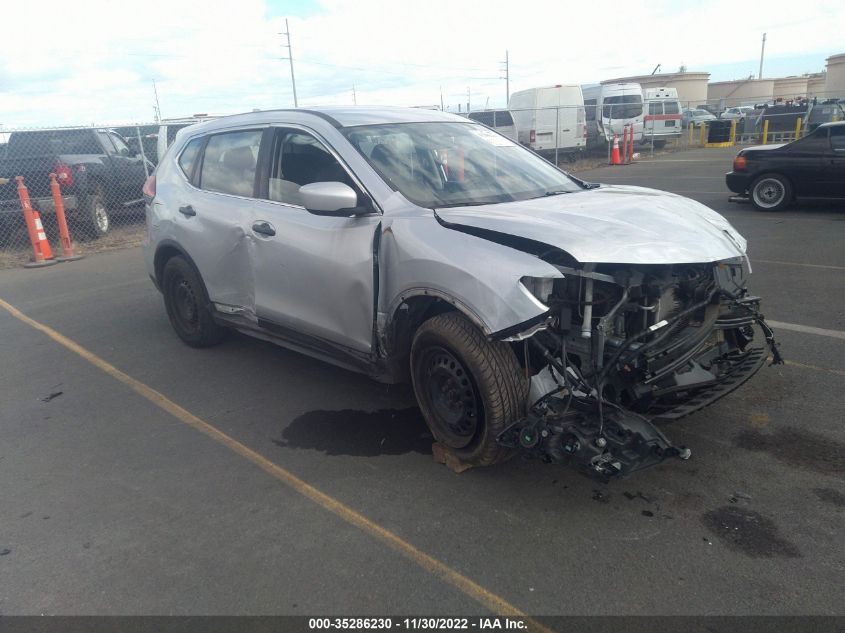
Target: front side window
[(228, 165), (456, 164), (298, 158)]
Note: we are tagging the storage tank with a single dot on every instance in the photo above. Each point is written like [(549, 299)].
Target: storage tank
[(815, 85), (741, 92), (691, 87), (834, 86)]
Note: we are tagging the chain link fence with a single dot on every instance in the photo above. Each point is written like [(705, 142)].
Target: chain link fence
[(100, 171)]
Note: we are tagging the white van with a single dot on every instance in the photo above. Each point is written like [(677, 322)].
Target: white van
[(662, 120), (499, 120), (550, 117), (610, 107), (168, 128)]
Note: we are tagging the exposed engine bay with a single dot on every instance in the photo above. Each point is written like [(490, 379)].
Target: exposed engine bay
[(624, 347)]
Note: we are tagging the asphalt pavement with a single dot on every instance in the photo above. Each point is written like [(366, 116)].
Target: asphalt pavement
[(140, 476)]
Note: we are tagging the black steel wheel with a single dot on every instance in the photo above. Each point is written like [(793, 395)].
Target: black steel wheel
[(469, 388), (187, 305)]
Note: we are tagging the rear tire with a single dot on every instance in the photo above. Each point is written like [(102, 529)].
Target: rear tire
[(771, 192), (188, 306), (94, 220), (469, 389)]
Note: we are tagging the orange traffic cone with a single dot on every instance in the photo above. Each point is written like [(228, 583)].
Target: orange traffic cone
[(614, 155), (43, 244)]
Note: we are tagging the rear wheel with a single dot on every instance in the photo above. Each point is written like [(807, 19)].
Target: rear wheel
[(469, 389), (188, 306), (771, 192), (95, 220)]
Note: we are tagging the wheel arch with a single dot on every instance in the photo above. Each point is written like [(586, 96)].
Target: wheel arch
[(408, 312)]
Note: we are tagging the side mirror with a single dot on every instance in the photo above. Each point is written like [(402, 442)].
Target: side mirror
[(331, 198)]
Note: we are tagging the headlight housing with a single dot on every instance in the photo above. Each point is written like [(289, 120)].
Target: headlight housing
[(541, 288)]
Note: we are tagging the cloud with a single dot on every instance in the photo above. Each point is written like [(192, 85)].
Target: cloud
[(98, 62)]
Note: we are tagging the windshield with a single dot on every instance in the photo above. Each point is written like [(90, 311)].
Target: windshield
[(622, 107), (438, 165)]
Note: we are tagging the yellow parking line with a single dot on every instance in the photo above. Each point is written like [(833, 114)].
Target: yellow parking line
[(772, 261), (467, 586), (837, 372)]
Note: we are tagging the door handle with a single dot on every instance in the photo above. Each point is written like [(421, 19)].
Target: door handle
[(264, 228), (187, 211)]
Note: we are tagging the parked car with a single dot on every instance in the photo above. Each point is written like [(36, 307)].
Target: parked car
[(415, 245), (772, 176), (696, 117), (550, 117), (738, 113), (499, 120), (98, 173)]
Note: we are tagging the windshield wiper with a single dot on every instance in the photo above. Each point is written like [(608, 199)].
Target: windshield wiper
[(556, 192)]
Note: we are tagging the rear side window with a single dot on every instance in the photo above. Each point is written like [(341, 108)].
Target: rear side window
[(188, 158), (837, 138), (228, 165), (590, 108)]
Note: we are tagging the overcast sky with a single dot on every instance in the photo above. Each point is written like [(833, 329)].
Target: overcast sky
[(96, 62)]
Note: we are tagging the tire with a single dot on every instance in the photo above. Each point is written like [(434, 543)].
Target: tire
[(771, 192), (469, 389), (187, 304), (94, 220)]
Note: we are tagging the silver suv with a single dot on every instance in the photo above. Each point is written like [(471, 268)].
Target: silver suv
[(531, 310)]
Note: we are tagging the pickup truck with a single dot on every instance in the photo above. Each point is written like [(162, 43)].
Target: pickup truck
[(98, 173)]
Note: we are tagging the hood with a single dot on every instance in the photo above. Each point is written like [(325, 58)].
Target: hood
[(611, 224), (761, 148)]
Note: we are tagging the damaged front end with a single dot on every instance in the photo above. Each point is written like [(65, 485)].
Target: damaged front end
[(624, 347)]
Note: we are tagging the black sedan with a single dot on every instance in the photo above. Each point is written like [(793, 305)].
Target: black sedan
[(772, 176)]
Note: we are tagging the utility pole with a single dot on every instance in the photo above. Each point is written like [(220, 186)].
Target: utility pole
[(157, 107), (290, 58), (507, 79), (354, 96), (468, 99), (442, 109), (762, 50)]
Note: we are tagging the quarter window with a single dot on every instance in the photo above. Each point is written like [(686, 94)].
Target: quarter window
[(837, 138), (300, 159), (189, 157), (228, 165)]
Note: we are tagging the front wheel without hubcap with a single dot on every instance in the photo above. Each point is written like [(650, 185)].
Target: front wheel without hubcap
[(469, 389), (771, 193)]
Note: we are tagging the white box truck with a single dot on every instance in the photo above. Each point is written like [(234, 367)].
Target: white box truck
[(550, 118)]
